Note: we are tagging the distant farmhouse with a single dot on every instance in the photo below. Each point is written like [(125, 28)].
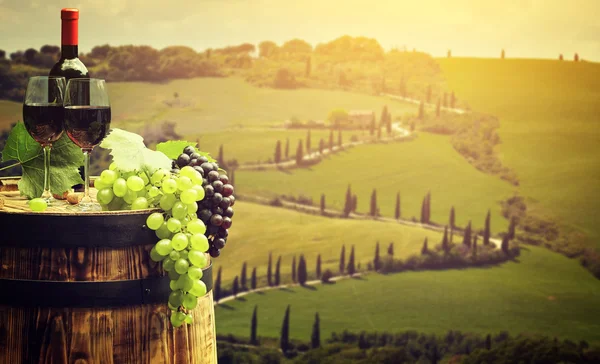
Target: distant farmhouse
[(360, 118)]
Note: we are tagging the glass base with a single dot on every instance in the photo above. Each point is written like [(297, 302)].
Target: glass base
[(52, 202), (85, 207)]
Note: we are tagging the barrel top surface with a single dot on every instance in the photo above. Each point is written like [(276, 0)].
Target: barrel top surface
[(11, 202), (60, 227)]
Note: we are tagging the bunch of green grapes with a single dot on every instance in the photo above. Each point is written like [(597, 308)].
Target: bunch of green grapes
[(183, 245)]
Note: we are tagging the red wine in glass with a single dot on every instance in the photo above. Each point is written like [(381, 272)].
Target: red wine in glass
[(44, 122), (87, 125)]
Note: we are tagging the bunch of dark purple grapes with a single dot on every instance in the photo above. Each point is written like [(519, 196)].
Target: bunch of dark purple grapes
[(215, 210)]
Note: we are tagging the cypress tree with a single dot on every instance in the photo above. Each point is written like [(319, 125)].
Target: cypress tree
[(388, 124), (421, 110), (511, 227), (322, 204), (445, 102), (232, 177), (253, 279), (467, 236), (502, 54), (315, 337), (486, 231), (373, 211), (348, 202), (372, 126), (438, 108), (331, 140), (452, 218), (278, 152), (425, 248), (253, 327), (278, 271), (429, 94), (423, 210), (321, 146), (342, 259), (243, 276), (488, 342), (220, 157), (445, 242), (452, 100), (449, 54), (284, 339), (378, 133), (351, 268), (390, 250), (397, 211), (308, 142), (236, 286), (218, 286), (269, 270), (318, 270), (287, 148), (474, 247), (302, 273), (383, 118), (428, 210), (340, 139), (354, 203), (505, 245), (299, 153), (377, 259), (294, 269)]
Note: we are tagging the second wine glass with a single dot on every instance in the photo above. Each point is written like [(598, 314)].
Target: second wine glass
[(87, 122)]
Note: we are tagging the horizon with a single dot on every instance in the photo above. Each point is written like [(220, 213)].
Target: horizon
[(523, 29)]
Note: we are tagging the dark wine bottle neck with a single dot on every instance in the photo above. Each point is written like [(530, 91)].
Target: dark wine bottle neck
[(69, 51)]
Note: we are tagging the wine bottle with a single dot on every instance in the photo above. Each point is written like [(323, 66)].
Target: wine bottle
[(69, 65)]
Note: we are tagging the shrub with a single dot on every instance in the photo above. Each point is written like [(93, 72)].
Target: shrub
[(326, 276)]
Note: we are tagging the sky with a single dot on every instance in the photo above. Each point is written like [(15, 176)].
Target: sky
[(473, 28)]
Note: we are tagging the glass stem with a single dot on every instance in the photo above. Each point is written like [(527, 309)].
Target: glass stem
[(86, 172), (46, 194)]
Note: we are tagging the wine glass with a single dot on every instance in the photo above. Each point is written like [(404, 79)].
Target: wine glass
[(43, 116), (87, 121)]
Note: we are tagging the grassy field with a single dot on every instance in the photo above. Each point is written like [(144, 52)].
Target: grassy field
[(544, 293), (212, 104), (428, 163), (258, 229), (550, 118), (258, 144)]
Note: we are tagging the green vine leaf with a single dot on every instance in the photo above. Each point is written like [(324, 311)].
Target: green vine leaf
[(173, 148), (65, 160), (130, 153)]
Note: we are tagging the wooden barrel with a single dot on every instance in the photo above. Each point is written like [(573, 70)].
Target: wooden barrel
[(81, 288)]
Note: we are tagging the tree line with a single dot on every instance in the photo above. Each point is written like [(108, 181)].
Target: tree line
[(412, 347), (444, 255)]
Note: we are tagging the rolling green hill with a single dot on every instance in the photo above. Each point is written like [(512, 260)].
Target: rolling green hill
[(544, 293), (258, 144), (428, 163), (550, 118), (212, 104), (258, 229)]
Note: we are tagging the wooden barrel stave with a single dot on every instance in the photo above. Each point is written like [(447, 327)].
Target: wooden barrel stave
[(100, 335)]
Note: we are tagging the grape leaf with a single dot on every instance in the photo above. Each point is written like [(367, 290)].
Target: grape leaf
[(65, 160), (130, 153), (173, 148)]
